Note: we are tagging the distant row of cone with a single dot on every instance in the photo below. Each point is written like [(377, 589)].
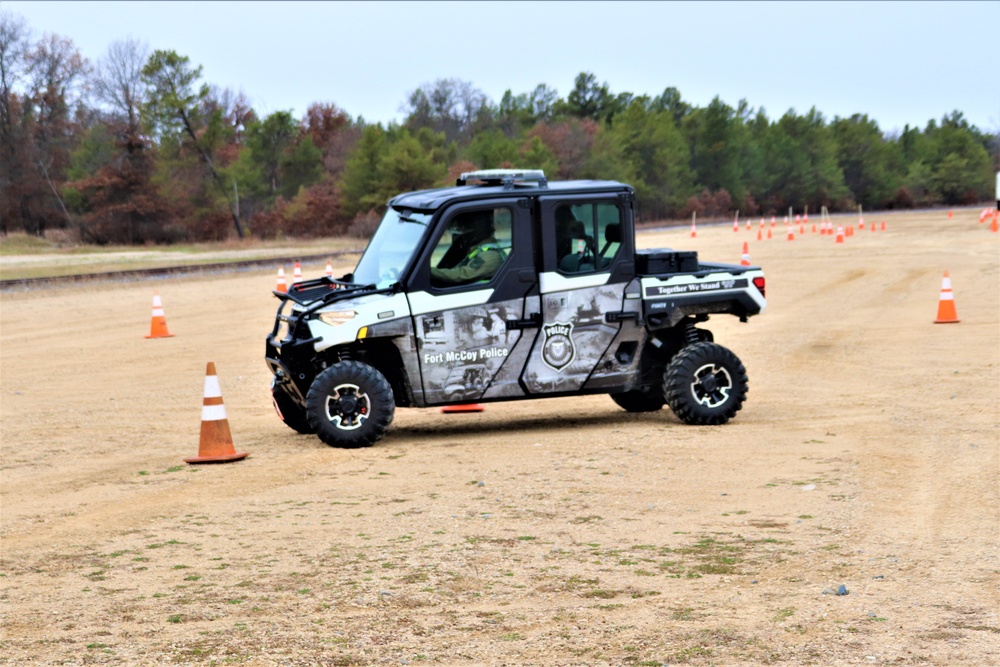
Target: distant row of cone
[(297, 276)]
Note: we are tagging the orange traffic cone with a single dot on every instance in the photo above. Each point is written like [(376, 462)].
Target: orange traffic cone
[(946, 304), (861, 223), (746, 255), (883, 225), (772, 221), (791, 233), (768, 232), (994, 226), (749, 224), (297, 275), (694, 231), (282, 285), (329, 269), (216, 441), (158, 326), (949, 215), (840, 234), (464, 407), (760, 235)]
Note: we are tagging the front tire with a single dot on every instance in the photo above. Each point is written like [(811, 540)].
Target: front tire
[(705, 384), (291, 413), (350, 404)]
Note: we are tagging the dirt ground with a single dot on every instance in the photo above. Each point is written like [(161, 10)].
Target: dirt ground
[(552, 532)]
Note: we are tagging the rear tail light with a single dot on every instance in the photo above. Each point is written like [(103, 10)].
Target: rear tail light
[(758, 282)]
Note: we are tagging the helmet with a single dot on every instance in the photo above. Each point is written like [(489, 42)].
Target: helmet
[(473, 227)]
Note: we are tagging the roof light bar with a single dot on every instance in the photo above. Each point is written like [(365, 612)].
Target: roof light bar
[(507, 177)]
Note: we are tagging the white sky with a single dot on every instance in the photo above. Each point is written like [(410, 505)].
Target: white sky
[(899, 62)]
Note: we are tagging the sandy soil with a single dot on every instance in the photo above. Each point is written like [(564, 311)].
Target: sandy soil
[(553, 532)]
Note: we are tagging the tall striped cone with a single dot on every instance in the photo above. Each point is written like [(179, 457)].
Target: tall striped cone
[(694, 230), (749, 224), (840, 234), (329, 269), (946, 304), (772, 221), (736, 225), (861, 223), (158, 325), (769, 232), (791, 233), (297, 275), (746, 255), (282, 284), (216, 444), (760, 235), (802, 230)]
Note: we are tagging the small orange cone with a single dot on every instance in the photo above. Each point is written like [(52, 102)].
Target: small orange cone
[(746, 255), (158, 326), (861, 223), (949, 215), (946, 304), (297, 275), (883, 225), (216, 444), (329, 269), (759, 235), (694, 231), (464, 407), (736, 225), (282, 285), (768, 232), (840, 234), (994, 226), (749, 224), (791, 233)]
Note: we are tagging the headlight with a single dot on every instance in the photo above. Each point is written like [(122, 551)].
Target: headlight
[(336, 317)]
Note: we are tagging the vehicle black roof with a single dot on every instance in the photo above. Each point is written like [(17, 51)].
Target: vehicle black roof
[(437, 197)]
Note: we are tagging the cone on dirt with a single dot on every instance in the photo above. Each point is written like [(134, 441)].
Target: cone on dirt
[(995, 226), (746, 255), (769, 233), (760, 235), (158, 325), (329, 269), (694, 230), (946, 304), (883, 225), (791, 233), (736, 226), (464, 407), (216, 444), (282, 284), (840, 234), (297, 275)]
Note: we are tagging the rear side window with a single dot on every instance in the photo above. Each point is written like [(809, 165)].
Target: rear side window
[(588, 236)]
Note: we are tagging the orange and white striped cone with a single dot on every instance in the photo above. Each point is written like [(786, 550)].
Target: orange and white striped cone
[(216, 445), (760, 235), (745, 261), (883, 225), (282, 284), (749, 225), (297, 275), (694, 230), (463, 407), (798, 218), (791, 233), (802, 230), (840, 234), (772, 221), (861, 223), (995, 226), (158, 325), (736, 226), (946, 304), (769, 233), (329, 269)]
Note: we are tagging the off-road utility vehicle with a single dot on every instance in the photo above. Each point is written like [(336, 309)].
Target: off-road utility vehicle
[(504, 287)]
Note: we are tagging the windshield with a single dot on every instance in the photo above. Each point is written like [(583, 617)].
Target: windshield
[(391, 247)]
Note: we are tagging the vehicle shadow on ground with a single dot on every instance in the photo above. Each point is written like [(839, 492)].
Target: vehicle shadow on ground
[(479, 423)]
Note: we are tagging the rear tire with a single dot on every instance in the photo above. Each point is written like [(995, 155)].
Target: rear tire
[(705, 384), (638, 400), (350, 404)]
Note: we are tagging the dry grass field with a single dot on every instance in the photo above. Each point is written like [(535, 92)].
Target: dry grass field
[(552, 532)]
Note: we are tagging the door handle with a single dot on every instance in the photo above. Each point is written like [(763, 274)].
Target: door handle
[(533, 322)]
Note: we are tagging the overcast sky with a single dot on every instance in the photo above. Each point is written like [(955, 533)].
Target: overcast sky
[(898, 62)]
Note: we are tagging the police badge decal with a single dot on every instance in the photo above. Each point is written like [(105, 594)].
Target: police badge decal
[(558, 350)]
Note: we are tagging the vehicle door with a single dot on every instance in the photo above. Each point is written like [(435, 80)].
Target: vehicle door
[(586, 264), (467, 299)]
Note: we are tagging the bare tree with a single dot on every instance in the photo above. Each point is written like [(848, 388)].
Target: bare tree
[(118, 83)]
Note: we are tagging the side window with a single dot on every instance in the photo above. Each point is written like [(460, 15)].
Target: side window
[(472, 249), (588, 236)]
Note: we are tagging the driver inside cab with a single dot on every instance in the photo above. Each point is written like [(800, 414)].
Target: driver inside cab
[(474, 254)]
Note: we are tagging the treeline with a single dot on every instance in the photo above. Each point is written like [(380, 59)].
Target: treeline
[(138, 148)]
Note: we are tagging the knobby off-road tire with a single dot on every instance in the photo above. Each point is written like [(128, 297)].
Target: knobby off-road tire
[(705, 384), (350, 404), (638, 400), (291, 413)]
